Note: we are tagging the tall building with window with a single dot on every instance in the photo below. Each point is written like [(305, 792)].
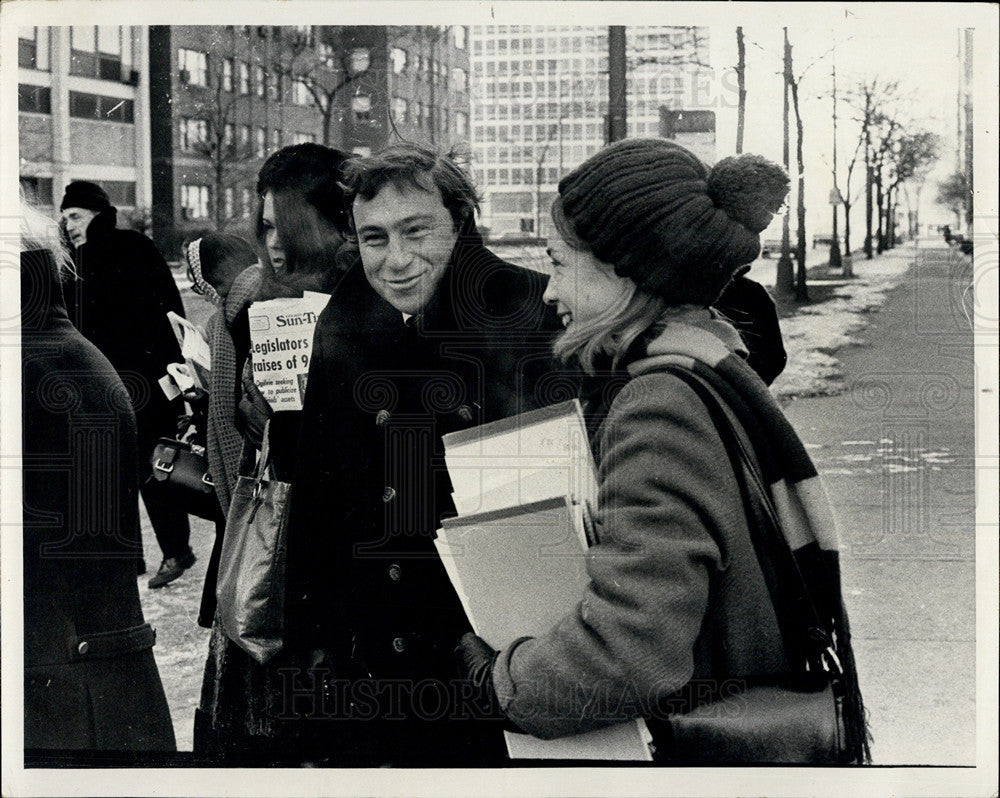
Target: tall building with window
[(223, 98), (83, 112), (416, 87), (540, 107)]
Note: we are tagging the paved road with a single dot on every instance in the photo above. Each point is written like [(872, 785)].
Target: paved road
[(897, 451)]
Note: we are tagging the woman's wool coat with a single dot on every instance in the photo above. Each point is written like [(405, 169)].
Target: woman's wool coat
[(90, 681), (677, 603), (364, 581)]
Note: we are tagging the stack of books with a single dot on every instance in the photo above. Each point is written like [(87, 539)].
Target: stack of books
[(516, 553)]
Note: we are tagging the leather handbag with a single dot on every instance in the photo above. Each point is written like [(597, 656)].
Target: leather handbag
[(796, 721), (182, 468), (250, 588)]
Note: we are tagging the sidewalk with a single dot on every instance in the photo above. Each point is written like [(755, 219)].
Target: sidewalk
[(896, 448)]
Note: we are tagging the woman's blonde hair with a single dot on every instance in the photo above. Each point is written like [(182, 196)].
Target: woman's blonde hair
[(38, 231), (613, 331)]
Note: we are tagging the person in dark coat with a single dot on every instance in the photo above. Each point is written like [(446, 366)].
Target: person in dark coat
[(120, 302), (749, 308), (90, 680), (431, 333)]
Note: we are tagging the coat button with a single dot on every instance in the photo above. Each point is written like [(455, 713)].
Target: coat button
[(84, 647), (388, 494), (395, 572), (465, 413), (399, 645), (381, 417)]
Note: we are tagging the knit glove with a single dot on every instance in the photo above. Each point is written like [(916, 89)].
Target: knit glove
[(476, 658)]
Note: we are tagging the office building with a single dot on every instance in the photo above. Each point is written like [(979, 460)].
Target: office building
[(83, 113), (540, 107)]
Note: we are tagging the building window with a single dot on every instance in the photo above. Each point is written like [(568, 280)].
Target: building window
[(226, 80), (244, 77), (229, 136), (304, 34), (229, 202), (300, 94), (460, 78), (461, 34), (105, 109), (33, 48), (246, 202), (276, 139), (260, 148), (398, 58), (193, 65), (244, 136), (193, 133), (360, 60), (361, 105), (305, 138), (194, 202), (96, 52), (34, 99), (259, 80), (329, 55), (399, 108)]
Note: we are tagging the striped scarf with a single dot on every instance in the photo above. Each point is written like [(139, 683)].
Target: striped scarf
[(225, 443), (691, 340)]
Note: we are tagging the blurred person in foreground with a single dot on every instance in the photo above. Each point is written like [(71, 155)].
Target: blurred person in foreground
[(119, 302), (90, 680), (647, 239)]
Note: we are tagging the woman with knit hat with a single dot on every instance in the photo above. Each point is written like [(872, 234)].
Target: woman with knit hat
[(679, 610)]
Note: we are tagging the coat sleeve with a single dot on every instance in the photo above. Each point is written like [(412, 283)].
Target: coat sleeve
[(665, 490)]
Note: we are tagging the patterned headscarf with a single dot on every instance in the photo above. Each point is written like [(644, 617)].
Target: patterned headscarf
[(199, 284)]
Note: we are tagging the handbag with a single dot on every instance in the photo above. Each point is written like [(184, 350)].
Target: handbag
[(250, 588), (182, 469), (798, 720)]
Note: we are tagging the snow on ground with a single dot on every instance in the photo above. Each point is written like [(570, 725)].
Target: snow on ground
[(814, 333)]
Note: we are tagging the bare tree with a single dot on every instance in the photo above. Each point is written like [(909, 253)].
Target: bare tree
[(219, 145), (785, 279), (801, 290), (912, 159), (323, 69)]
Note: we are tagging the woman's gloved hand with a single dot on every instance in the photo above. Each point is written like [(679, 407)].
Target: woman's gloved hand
[(253, 411), (475, 664)]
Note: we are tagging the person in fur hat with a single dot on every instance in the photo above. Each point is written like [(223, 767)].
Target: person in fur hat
[(678, 608), (120, 302)]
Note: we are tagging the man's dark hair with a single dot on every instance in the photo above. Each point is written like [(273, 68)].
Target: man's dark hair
[(413, 166)]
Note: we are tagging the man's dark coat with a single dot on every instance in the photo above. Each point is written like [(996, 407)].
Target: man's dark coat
[(363, 580)]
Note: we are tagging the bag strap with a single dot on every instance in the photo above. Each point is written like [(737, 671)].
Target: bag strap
[(804, 635)]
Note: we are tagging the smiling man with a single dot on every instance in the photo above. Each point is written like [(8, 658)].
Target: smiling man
[(432, 333)]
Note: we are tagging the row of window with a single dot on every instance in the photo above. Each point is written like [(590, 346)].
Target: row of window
[(415, 112), (194, 69), (403, 63), (103, 52), (196, 135), (529, 154), (38, 191), (516, 177)]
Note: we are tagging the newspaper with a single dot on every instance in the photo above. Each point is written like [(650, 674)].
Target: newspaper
[(281, 337)]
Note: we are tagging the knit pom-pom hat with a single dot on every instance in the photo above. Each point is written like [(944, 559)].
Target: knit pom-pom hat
[(655, 212)]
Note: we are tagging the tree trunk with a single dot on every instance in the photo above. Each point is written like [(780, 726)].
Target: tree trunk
[(785, 279), (742, 89), (868, 193), (880, 207), (801, 289)]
